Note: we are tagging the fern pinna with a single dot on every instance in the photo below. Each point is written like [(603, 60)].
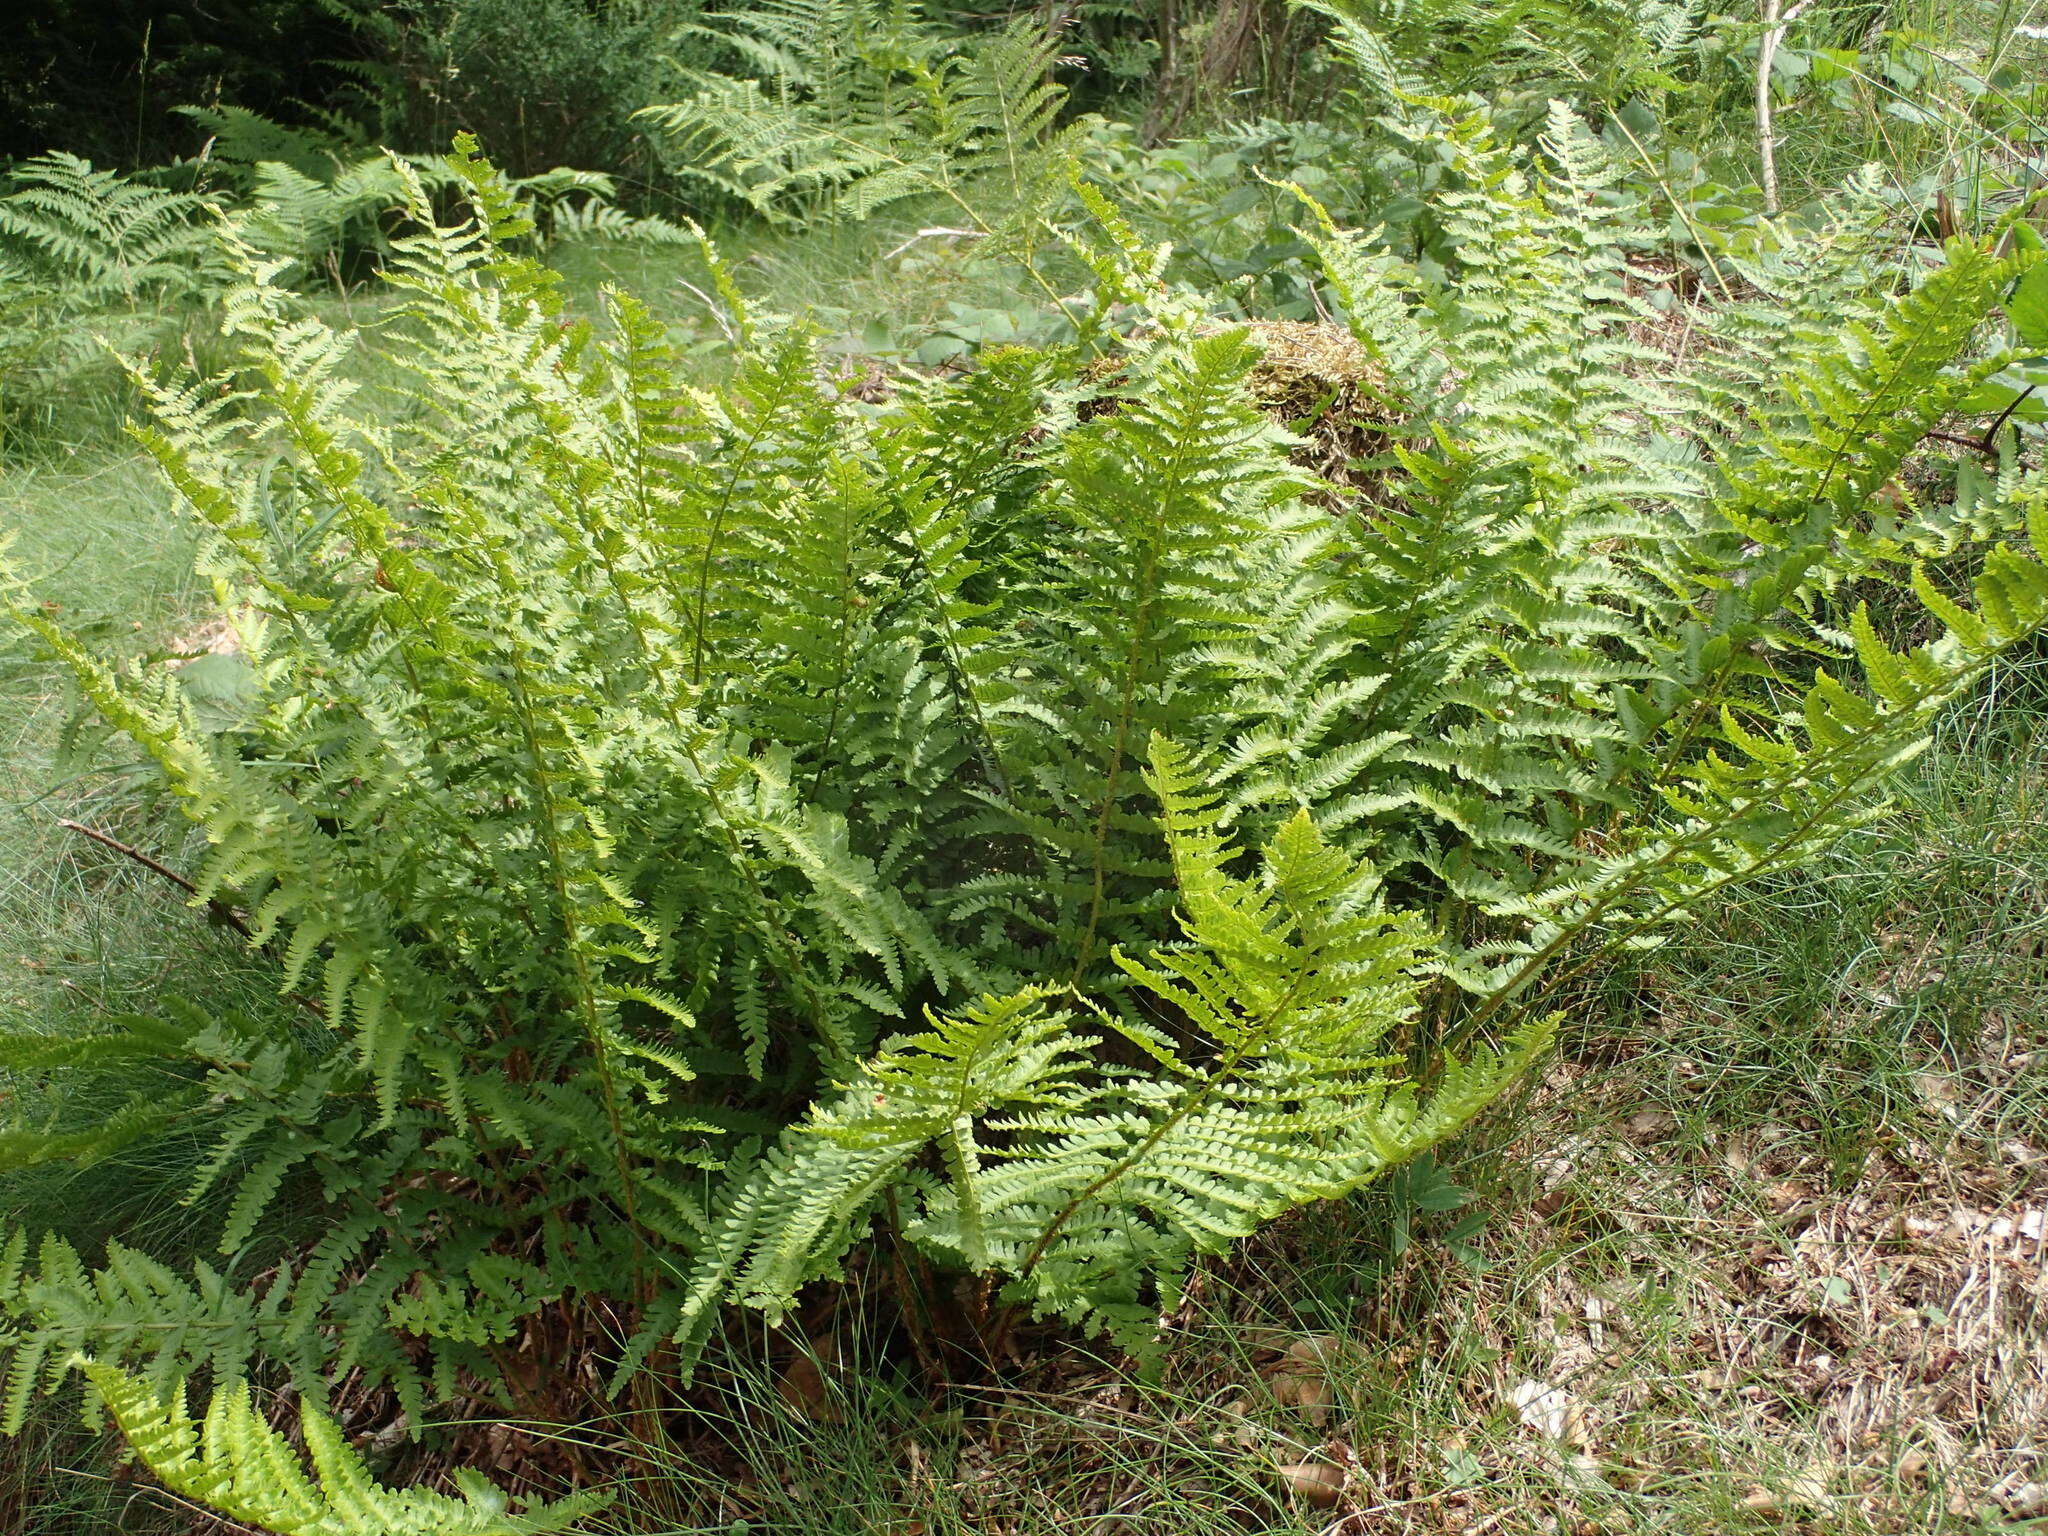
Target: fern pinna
[(707, 821)]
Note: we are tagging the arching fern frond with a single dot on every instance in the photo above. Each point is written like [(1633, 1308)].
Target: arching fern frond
[(1059, 1172), (107, 236), (233, 1461)]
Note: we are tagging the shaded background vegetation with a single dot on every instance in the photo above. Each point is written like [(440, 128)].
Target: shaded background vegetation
[(542, 82), (99, 77)]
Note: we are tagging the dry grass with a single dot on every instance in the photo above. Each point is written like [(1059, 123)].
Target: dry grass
[(1683, 1326), (1317, 381), (1673, 1329)]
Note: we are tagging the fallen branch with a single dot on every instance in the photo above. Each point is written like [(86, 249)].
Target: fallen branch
[(1988, 443), (1776, 21), (218, 910)]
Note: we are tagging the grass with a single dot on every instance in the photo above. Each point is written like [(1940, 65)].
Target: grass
[(1907, 971), (84, 930), (882, 287), (81, 932)]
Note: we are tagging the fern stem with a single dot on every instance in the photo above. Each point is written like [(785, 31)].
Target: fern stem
[(586, 992), (966, 700), (1786, 845), (1141, 636), (1909, 366), (1099, 851), (666, 692), (216, 909), (700, 615), (841, 661)]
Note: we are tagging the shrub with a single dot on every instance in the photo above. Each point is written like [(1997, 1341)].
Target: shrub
[(546, 82), (706, 823), (99, 78)]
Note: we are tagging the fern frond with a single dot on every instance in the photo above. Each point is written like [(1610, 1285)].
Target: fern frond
[(112, 238), (233, 1461)]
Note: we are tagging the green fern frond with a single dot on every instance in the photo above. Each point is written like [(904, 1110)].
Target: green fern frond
[(109, 237), (854, 112), (233, 1461)]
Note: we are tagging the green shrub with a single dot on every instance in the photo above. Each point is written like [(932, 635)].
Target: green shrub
[(545, 82), (99, 77), (703, 824)]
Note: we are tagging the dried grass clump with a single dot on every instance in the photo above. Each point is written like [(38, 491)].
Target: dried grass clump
[(1318, 381), (1315, 380)]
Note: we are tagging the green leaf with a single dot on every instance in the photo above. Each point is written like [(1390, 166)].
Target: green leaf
[(2027, 309)]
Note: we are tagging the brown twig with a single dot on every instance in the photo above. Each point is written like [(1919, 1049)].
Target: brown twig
[(218, 910), (1988, 443)]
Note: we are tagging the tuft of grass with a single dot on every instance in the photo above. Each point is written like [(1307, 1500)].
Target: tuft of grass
[(82, 931)]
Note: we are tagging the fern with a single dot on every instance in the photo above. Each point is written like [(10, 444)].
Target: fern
[(1158, 502), (628, 766), (110, 238), (1552, 561), (1535, 49), (91, 260), (1092, 1194), (55, 1309), (858, 106), (233, 1461)]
